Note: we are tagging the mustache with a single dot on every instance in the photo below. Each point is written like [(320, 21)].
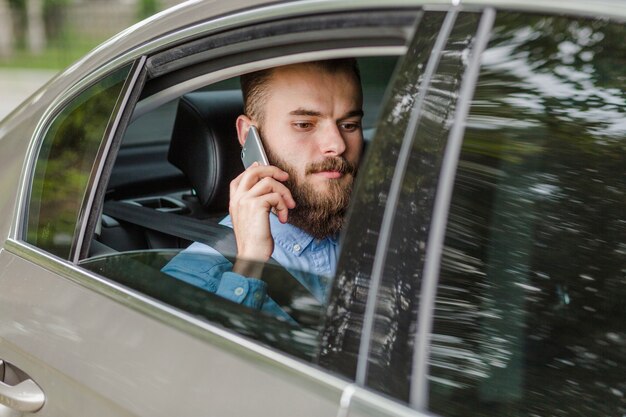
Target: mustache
[(336, 163)]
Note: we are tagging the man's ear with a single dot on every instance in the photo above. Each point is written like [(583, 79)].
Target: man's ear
[(243, 125)]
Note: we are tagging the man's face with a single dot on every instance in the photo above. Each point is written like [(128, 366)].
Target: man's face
[(312, 129)]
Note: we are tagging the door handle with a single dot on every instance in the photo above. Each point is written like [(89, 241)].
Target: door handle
[(25, 397)]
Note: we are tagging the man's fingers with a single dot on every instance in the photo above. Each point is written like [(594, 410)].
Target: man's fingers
[(265, 203), (278, 203), (269, 185), (257, 181), (255, 174)]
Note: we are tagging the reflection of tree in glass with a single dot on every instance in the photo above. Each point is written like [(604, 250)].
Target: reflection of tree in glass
[(64, 165), (341, 337), (531, 311)]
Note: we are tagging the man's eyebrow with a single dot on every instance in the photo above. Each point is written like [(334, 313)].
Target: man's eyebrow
[(353, 113), (305, 112)]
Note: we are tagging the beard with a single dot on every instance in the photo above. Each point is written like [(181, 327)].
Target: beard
[(319, 213)]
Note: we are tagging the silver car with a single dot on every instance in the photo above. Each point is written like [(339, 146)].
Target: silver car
[(483, 263)]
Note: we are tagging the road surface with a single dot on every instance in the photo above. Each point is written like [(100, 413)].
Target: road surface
[(17, 84)]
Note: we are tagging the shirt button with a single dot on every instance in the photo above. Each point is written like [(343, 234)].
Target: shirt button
[(257, 296), (238, 291), (296, 248)]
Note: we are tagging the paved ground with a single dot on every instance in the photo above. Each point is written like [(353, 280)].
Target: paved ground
[(17, 84)]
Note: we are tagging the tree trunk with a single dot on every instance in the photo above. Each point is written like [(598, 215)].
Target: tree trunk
[(6, 30), (36, 35)]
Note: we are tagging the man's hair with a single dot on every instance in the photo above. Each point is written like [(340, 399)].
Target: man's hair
[(254, 84)]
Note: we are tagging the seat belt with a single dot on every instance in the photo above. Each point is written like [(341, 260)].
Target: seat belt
[(219, 237)]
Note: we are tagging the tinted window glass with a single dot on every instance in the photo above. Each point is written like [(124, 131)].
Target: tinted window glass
[(141, 270), (64, 164), (397, 301), (344, 325), (419, 113), (530, 309)]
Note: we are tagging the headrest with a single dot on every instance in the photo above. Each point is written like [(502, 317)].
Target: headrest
[(204, 144)]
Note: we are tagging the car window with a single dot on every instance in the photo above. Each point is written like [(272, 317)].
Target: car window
[(64, 164), (401, 278), (529, 317), (143, 271), (167, 196), (421, 113)]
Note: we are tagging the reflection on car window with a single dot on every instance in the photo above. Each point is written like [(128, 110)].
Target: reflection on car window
[(390, 349), (393, 333), (142, 271), (64, 165), (530, 309)]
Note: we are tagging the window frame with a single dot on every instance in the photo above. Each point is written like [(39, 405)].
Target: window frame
[(136, 105), (87, 222)]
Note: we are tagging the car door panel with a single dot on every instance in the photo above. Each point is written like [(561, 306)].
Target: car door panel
[(365, 403)]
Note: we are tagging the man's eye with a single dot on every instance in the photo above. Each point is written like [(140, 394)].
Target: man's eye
[(303, 125), (349, 126)]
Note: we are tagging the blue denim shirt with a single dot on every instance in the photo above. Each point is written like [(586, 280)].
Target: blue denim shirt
[(309, 260)]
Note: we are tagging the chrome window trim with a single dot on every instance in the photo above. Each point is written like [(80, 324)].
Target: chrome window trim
[(584, 8), (436, 235), (286, 10), (168, 94), (100, 159), (604, 8), (230, 341)]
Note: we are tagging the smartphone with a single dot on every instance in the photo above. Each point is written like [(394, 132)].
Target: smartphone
[(253, 150)]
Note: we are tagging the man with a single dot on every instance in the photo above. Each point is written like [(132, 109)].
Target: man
[(309, 118)]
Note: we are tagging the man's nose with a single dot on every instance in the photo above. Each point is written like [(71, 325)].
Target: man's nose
[(332, 141)]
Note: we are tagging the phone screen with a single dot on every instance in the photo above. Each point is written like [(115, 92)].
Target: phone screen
[(253, 150)]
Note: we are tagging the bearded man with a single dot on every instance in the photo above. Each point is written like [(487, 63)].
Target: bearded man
[(309, 118)]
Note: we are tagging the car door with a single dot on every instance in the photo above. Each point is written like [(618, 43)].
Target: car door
[(503, 256), (97, 346)]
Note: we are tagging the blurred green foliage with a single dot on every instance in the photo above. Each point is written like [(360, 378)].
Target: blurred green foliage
[(147, 8), (65, 163), (53, 17), (65, 40)]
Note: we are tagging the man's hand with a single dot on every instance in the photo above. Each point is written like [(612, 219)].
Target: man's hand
[(253, 195)]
